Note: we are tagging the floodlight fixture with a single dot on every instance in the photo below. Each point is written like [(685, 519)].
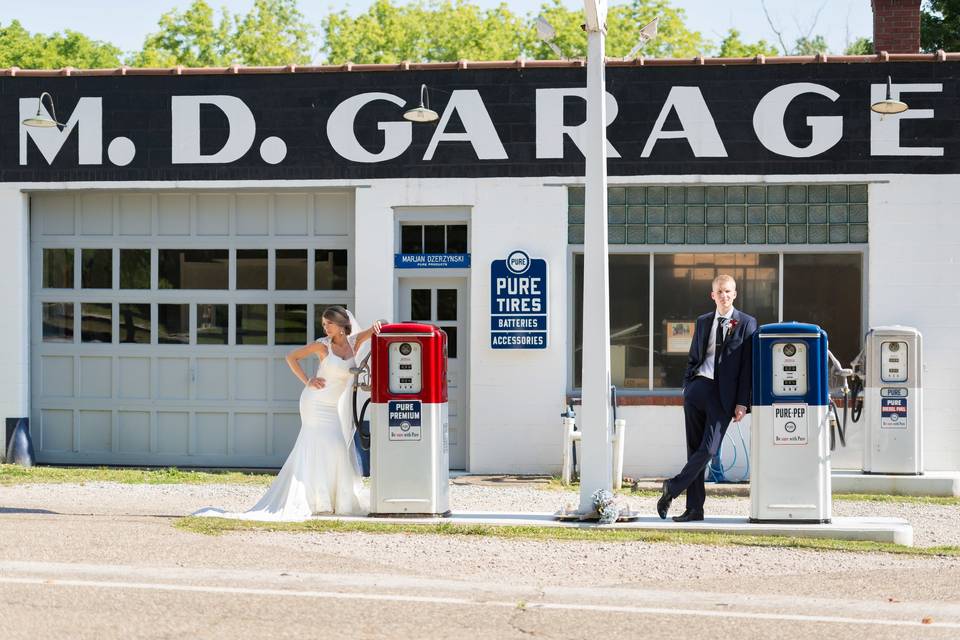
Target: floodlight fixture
[(647, 33), (547, 32)]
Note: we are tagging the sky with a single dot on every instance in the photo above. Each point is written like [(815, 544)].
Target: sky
[(126, 24)]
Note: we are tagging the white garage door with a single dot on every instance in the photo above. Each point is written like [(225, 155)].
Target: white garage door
[(160, 321)]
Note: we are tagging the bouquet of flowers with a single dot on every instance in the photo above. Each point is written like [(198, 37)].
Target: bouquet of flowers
[(606, 507)]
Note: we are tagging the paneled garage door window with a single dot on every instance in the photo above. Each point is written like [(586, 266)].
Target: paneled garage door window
[(161, 321)]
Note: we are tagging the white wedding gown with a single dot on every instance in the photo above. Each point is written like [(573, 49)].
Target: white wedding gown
[(322, 473)]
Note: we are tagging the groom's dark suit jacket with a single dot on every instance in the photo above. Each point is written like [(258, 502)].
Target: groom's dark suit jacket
[(734, 372)]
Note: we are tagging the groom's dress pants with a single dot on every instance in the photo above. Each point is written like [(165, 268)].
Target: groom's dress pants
[(706, 424)]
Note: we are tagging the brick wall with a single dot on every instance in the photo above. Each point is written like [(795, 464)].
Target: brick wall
[(896, 26)]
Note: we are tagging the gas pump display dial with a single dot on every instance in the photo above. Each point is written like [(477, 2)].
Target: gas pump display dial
[(893, 361), (405, 364), (790, 368)]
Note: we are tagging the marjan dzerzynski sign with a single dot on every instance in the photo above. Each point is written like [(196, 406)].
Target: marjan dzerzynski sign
[(505, 122)]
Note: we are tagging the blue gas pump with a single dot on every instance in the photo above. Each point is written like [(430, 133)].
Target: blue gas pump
[(790, 432)]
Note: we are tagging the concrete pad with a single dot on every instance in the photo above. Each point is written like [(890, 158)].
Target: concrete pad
[(931, 483), (892, 530)]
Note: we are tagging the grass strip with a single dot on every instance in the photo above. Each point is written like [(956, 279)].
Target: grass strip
[(14, 474), (220, 526)]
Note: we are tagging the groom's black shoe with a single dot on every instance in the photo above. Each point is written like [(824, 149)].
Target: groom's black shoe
[(689, 516), (663, 503)]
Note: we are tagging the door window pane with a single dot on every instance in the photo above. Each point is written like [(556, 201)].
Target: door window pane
[(290, 322), (134, 268), (681, 293), (193, 268), (291, 273), (446, 304), (825, 289), (251, 324), (213, 322), (318, 331), (433, 239), (251, 268), (629, 320), (96, 268), (135, 323), (58, 322), (173, 323), (96, 322), (456, 238), (330, 269), (420, 305), (451, 341), (58, 268), (411, 238)]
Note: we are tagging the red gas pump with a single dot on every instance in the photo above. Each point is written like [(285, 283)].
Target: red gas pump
[(409, 448)]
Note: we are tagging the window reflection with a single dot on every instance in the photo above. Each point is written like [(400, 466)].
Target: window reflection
[(451, 341), (58, 268), (173, 323), (58, 322), (213, 322), (826, 289), (134, 323), (96, 268), (446, 304), (420, 305), (290, 323), (193, 268), (96, 322), (629, 320), (682, 284), (456, 238), (411, 238), (330, 269), (251, 269), (134, 268), (291, 270), (433, 239), (251, 324)]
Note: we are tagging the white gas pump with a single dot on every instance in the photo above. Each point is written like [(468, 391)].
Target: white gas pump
[(892, 363), (409, 446), (790, 435)]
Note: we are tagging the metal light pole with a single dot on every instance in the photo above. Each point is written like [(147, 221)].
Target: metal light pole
[(596, 456)]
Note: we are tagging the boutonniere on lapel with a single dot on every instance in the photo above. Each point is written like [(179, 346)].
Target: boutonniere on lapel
[(733, 324)]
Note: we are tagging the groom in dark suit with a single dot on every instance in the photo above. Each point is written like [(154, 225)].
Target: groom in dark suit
[(716, 388)]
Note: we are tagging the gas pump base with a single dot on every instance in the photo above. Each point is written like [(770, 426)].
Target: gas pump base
[(886, 530), (931, 483)]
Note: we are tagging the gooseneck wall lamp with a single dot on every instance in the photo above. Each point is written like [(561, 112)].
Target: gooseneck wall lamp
[(889, 106), (42, 119), (422, 113)]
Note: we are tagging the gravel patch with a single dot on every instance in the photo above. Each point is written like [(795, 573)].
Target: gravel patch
[(933, 525)]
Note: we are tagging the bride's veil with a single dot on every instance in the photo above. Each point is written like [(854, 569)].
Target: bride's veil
[(345, 403)]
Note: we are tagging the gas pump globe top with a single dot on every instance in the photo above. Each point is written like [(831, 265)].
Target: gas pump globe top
[(789, 434), (409, 445)]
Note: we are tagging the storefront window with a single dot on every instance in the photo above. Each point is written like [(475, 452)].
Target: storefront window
[(826, 289), (681, 292), (433, 238), (629, 320)]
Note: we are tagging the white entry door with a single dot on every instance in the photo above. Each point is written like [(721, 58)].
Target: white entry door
[(443, 302)]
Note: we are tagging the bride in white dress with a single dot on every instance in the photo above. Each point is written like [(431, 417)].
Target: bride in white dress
[(322, 473)]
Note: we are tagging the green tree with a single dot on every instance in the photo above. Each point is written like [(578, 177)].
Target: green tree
[(860, 46), (810, 46), (940, 25), (733, 47), (20, 48), (435, 31), (274, 32)]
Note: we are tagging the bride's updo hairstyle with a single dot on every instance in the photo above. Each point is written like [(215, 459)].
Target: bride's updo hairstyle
[(338, 316)]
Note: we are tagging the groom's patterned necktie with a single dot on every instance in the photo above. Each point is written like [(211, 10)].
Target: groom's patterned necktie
[(716, 353)]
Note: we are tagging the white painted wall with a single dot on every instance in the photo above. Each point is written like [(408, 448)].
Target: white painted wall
[(516, 396), (914, 280), (14, 321)]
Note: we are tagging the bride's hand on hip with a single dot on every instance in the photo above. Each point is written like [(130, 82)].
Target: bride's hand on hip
[(316, 383)]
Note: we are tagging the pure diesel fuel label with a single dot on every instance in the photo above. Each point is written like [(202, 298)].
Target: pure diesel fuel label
[(518, 302)]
